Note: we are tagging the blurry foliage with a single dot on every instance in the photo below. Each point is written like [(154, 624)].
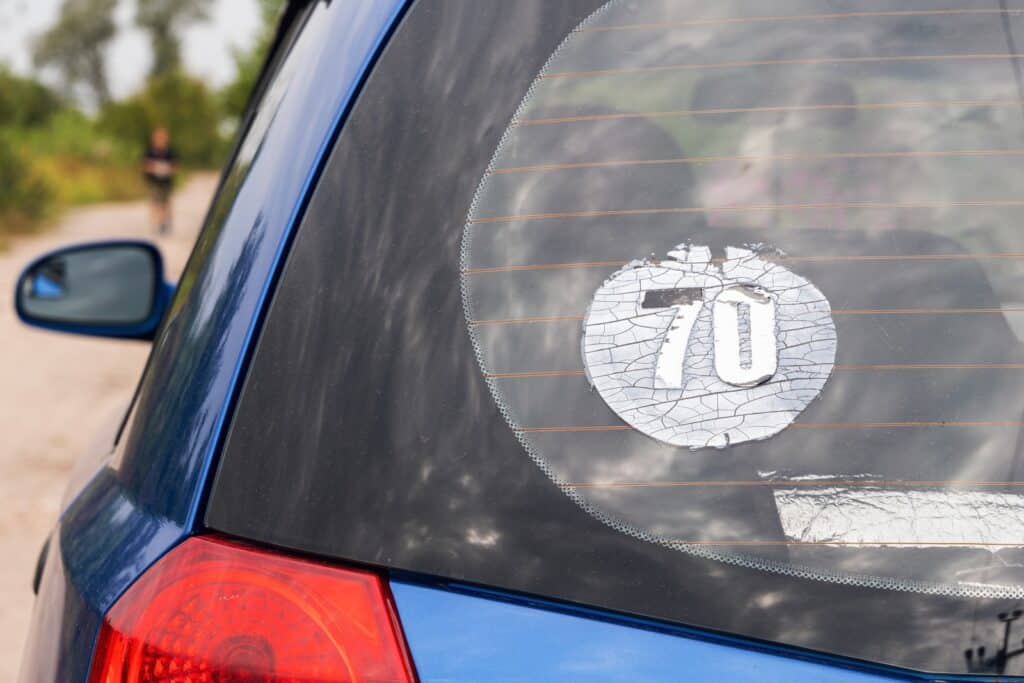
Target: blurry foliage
[(182, 104), (25, 195), (81, 163), (25, 102), (52, 154), (248, 62), (76, 45), (164, 21), (58, 161)]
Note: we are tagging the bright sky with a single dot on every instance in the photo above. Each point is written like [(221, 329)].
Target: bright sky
[(206, 47)]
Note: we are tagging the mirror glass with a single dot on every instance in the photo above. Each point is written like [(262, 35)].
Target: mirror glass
[(94, 285)]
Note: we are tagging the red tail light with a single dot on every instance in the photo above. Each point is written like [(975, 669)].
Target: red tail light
[(213, 611)]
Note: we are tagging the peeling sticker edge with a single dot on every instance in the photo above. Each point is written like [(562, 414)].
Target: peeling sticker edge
[(876, 517)]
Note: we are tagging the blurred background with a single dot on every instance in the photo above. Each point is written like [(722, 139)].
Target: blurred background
[(83, 83)]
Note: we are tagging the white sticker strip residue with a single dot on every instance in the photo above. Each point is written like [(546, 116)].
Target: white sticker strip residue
[(916, 518)]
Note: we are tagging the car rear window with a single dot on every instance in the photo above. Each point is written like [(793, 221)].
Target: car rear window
[(860, 171), (708, 312)]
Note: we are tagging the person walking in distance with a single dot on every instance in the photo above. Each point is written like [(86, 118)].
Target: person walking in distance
[(158, 166)]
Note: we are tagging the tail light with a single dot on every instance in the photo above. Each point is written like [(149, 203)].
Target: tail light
[(215, 611)]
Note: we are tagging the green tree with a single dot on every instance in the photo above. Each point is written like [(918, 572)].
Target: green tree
[(24, 102), (179, 102), (164, 21), (25, 196), (248, 62), (76, 45)]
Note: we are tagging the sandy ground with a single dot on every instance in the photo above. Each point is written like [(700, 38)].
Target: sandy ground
[(57, 390)]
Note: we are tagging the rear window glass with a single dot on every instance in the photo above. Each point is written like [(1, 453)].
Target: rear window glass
[(745, 279), (705, 312)]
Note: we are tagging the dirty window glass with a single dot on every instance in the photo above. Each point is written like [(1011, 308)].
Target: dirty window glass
[(746, 280), (703, 312)]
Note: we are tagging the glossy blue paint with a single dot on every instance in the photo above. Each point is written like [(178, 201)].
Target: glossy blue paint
[(184, 399), (143, 330), (146, 499), (358, 21), (459, 634)]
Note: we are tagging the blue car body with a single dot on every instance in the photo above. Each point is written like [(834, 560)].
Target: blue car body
[(121, 520), (114, 529)]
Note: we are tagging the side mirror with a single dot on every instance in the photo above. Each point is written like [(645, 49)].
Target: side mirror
[(103, 289)]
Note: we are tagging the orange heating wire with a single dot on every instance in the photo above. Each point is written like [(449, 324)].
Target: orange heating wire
[(767, 257), (795, 425), (911, 104), (896, 483), (1004, 203), (799, 61), (835, 311), (839, 367), (880, 14), (925, 311), (944, 544), (768, 158)]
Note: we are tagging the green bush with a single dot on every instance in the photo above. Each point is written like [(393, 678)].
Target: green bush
[(180, 103), (80, 162), (25, 103), (187, 108), (53, 155), (72, 134), (127, 121), (25, 195)]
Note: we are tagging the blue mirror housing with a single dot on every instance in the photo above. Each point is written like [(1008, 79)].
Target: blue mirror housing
[(102, 289)]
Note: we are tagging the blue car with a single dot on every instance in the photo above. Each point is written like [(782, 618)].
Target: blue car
[(575, 340)]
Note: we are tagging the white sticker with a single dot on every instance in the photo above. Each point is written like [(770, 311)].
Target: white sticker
[(875, 516), (697, 353)]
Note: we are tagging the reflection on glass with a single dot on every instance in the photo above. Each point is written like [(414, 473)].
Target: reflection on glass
[(982, 660), (874, 152), (97, 285)]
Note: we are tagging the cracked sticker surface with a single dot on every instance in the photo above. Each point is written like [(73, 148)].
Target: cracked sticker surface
[(699, 352)]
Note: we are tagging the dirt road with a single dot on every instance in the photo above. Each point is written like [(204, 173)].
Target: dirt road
[(57, 390)]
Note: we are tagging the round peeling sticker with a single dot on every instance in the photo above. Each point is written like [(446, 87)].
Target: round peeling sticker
[(695, 351)]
